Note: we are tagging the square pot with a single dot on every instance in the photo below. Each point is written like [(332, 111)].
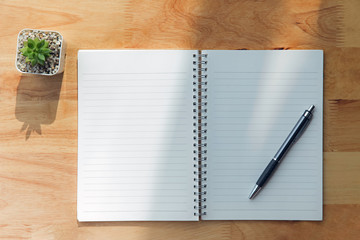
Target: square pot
[(53, 64)]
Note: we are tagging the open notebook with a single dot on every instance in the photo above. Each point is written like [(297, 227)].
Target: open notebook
[(181, 135)]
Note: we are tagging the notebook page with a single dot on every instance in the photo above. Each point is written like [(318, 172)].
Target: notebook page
[(255, 99), (135, 153)]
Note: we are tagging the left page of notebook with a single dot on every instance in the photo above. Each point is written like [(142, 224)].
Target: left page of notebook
[(135, 135)]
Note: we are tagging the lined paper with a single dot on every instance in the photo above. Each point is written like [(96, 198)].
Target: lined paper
[(135, 140), (254, 100)]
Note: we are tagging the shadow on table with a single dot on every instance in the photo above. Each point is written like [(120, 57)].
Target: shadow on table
[(37, 101)]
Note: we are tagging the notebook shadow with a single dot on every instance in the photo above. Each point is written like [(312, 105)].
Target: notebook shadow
[(37, 100)]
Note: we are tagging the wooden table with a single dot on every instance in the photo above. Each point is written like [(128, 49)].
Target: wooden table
[(38, 140)]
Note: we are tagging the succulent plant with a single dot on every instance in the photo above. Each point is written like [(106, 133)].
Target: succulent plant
[(36, 51)]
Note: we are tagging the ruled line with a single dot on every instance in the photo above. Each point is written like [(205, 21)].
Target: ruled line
[(127, 177), (135, 79), (140, 112), (138, 144), (257, 174), (147, 202), (121, 196), (138, 150), (132, 190), (137, 86), (135, 98), (274, 182), (278, 85), (285, 104), (253, 112), (134, 131), (145, 157), (265, 209), (256, 156), (246, 117), (277, 195), (136, 124), (131, 137), (260, 163), (142, 211), (117, 93), (265, 78), (310, 72), (130, 73), (267, 201), (104, 163), (273, 188), (132, 183), (272, 91)]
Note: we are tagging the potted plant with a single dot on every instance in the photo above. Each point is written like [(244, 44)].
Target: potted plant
[(40, 52)]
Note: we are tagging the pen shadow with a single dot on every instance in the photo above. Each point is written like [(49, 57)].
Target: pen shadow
[(37, 100)]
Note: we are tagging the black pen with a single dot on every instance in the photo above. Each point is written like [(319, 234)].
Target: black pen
[(293, 136)]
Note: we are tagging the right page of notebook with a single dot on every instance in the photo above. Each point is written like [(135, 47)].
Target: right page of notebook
[(254, 100)]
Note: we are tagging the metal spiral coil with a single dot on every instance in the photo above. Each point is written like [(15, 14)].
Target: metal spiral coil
[(199, 207), (200, 193), (200, 138), (200, 131), (201, 200)]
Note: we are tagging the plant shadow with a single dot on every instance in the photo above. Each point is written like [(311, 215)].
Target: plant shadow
[(37, 100)]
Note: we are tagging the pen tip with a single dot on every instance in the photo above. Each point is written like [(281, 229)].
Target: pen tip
[(254, 192)]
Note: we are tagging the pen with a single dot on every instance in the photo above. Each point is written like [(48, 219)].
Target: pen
[(291, 138)]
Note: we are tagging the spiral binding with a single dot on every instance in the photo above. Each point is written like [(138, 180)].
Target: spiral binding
[(200, 131)]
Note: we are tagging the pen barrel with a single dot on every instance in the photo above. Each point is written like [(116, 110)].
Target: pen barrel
[(267, 173), (294, 135)]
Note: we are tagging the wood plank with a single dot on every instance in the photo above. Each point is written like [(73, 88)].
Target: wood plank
[(236, 24), (340, 222), (351, 23), (342, 125), (341, 99), (341, 178), (341, 73)]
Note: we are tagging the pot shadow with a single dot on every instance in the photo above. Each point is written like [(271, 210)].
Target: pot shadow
[(37, 100)]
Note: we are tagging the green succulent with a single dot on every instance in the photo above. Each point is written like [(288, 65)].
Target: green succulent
[(36, 51)]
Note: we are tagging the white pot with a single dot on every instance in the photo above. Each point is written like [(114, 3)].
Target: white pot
[(61, 53)]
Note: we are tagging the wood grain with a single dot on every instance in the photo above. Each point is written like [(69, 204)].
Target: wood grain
[(38, 140), (237, 24)]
